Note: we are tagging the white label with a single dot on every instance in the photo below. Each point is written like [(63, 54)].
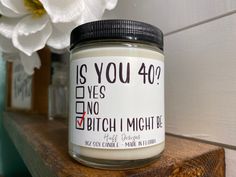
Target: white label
[(21, 97), (116, 102)]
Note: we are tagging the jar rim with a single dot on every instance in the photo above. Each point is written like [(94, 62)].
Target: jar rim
[(128, 30)]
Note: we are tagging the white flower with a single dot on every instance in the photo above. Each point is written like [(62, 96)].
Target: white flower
[(32, 24), (10, 52)]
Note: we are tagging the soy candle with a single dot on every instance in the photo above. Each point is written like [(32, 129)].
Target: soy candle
[(116, 116)]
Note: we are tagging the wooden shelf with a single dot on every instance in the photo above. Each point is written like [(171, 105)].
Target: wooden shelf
[(43, 147)]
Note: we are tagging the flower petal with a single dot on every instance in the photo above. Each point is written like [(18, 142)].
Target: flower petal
[(93, 10), (60, 37), (30, 62), (65, 11), (30, 24), (7, 12), (6, 45), (111, 4), (16, 6), (31, 34), (58, 51), (7, 26)]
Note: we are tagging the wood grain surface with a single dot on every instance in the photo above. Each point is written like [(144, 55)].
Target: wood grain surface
[(43, 147), (41, 82)]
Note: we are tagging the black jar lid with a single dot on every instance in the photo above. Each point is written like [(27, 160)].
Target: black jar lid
[(126, 30)]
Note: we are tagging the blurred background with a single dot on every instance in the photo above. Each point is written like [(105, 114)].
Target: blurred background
[(200, 73)]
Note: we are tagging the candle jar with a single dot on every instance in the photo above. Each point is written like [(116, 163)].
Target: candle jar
[(116, 115)]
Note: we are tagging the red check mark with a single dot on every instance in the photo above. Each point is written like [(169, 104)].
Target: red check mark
[(79, 122)]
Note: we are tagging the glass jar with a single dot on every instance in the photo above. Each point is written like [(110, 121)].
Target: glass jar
[(58, 93), (116, 115)]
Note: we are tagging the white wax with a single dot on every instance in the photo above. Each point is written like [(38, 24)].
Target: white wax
[(120, 154)]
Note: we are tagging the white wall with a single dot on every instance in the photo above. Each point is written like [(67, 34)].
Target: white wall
[(172, 15), (200, 50)]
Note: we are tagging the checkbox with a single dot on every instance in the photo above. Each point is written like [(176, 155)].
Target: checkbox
[(79, 107), (79, 92), (79, 123)]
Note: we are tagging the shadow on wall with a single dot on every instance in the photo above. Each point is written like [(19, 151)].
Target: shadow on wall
[(11, 164)]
